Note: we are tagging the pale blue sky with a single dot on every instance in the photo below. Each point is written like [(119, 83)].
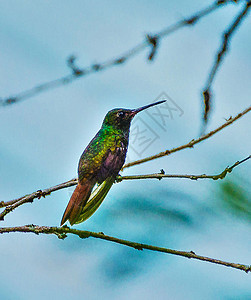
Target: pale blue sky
[(43, 137)]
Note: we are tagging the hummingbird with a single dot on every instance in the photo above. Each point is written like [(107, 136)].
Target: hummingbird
[(100, 164)]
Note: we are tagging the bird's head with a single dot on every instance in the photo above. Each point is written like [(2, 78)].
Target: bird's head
[(121, 118)]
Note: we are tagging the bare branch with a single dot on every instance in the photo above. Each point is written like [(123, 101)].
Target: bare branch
[(191, 143), (192, 177), (61, 232), (227, 35), (11, 205), (151, 41)]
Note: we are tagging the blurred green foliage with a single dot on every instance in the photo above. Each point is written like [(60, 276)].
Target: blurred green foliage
[(235, 197)]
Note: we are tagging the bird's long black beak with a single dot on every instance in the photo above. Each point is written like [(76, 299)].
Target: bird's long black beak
[(137, 110)]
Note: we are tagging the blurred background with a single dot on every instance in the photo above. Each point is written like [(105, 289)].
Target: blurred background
[(42, 138)]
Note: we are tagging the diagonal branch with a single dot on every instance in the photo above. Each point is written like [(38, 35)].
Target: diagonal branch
[(228, 34), (13, 204), (150, 41), (61, 232), (162, 174), (191, 143)]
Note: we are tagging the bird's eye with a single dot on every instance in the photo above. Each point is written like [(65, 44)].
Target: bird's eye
[(121, 114)]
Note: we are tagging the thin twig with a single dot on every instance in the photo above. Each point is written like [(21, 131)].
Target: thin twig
[(11, 205), (151, 40), (192, 177), (191, 143), (61, 232), (226, 38)]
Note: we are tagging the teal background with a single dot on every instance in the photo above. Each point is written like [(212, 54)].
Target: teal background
[(42, 138)]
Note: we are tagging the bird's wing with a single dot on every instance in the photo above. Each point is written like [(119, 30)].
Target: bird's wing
[(95, 200), (112, 163), (92, 157)]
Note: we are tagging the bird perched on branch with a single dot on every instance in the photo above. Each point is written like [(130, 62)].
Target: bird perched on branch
[(100, 164)]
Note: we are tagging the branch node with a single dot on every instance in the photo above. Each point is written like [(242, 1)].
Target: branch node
[(34, 228), (11, 100), (230, 118), (153, 42), (247, 269), (84, 235), (120, 60), (220, 2), (8, 209), (71, 64), (138, 247), (192, 20), (191, 143), (61, 236), (40, 194), (96, 67)]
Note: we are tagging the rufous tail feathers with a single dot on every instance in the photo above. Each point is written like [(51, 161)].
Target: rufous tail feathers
[(77, 202)]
